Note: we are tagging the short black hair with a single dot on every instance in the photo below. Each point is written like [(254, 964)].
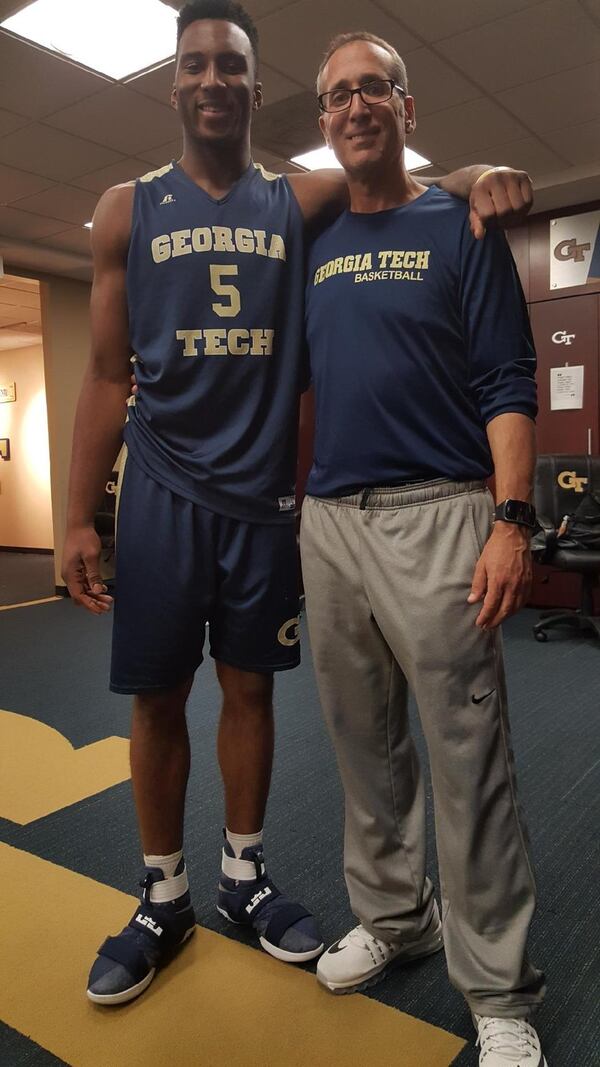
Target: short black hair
[(228, 10)]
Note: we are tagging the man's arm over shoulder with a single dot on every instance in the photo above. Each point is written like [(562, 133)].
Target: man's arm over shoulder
[(497, 195), (321, 194), (100, 411)]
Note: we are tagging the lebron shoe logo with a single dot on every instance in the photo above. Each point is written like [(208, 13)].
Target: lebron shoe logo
[(289, 633)]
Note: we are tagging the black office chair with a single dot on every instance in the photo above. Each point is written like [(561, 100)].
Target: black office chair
[(561, 485)]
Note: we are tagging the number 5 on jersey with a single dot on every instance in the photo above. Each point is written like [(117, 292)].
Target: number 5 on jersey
[(217, 273)]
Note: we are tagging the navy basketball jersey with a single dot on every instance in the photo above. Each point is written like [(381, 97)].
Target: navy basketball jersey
[(215, 295)]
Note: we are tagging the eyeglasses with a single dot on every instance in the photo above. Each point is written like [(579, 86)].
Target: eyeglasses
[(375, 92)]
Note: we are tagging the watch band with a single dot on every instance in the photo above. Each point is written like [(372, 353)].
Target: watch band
[(519, 512)]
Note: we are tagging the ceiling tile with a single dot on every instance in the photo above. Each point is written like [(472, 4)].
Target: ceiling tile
[(25, 226), (276, 86), (157, 83), (531, 44), (120, 119), (53, 154), (434, 84), (465, 129), (578, 144), (259, 8), (528, 154), (289, 127), (434, 21), (303, 31), (74, 240), (551, 103), (17, 183), (10, 7), (125, 170), (62, 202), (35, 83), (158, 157), (9, 122)]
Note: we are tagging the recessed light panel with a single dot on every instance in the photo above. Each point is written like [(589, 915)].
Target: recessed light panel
[(113, 37), (324, 157)]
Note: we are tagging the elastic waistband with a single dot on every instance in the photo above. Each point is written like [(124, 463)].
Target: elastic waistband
[(402, 496)]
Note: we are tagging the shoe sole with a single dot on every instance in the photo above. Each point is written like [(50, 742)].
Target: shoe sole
[(379, 973), (112, 999), (273, 950)]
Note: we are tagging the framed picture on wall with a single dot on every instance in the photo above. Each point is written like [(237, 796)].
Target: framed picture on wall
[(4, 448)]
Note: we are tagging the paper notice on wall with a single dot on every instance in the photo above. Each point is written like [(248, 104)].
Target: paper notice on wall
[(566, 388)]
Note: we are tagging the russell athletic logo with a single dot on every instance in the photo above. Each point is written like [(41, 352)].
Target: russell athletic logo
[(561, 337), (168, 199), (571, 480)]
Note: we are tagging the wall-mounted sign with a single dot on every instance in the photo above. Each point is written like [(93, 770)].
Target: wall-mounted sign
[(4, 448), (566, 388), (8, 393), (561, 337), (575, 250)]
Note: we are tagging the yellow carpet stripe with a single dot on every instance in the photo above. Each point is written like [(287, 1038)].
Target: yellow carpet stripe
[(41, 772), (30, 603), (218, 1002)]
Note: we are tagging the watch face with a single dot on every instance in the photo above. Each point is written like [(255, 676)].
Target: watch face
[(519, 511)]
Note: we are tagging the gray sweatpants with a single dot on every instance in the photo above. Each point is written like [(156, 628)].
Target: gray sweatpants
[(386, 593)]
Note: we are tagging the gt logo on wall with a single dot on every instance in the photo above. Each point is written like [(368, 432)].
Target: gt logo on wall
[(575, 250)]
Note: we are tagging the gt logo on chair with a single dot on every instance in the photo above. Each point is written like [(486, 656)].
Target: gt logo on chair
[(571, 480)]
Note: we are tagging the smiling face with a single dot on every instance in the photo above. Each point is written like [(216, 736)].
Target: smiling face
[(365, 137), (215, 87)]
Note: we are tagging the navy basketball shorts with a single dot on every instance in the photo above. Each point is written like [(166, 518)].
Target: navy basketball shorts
[(181, 568)]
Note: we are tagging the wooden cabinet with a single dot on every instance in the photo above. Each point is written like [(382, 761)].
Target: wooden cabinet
[(566, 332)]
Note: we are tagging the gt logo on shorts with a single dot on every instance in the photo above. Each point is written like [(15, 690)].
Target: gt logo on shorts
[(289, 633)]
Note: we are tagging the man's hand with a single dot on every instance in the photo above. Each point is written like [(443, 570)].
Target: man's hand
[(501, 197), (502, 576), (81, 570)]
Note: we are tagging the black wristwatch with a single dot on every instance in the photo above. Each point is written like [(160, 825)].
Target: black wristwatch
[(517, 511)]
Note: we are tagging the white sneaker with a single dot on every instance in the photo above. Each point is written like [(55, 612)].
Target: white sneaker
[(359, 960), (507, 1043)]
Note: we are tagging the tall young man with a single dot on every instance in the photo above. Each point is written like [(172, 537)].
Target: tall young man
[(199, 273), (423, 368)]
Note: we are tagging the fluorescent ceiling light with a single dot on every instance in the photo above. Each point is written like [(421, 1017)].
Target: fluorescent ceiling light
[(324, 157), (113, 37)]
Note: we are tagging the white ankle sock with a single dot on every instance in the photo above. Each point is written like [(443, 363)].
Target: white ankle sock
[(173, 885), (239, 842), (240, 870)]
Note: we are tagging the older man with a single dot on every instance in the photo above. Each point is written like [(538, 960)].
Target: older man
[(423, 369)]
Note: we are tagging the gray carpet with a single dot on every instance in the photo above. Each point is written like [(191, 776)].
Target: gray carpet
[(25, 576), (555, 690)]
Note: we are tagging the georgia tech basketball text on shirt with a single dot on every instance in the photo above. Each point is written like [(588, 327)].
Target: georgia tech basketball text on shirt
[(390, 265)]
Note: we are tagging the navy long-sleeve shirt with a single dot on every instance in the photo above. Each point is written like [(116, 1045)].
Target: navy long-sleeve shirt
[(418, 337)]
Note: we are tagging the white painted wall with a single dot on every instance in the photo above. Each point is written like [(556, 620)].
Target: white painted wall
[(25, 498)]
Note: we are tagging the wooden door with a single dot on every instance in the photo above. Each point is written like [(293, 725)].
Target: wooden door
[(566, 332)]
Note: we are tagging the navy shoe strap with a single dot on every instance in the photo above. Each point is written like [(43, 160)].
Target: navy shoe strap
[(125, 951), (285, 917)]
